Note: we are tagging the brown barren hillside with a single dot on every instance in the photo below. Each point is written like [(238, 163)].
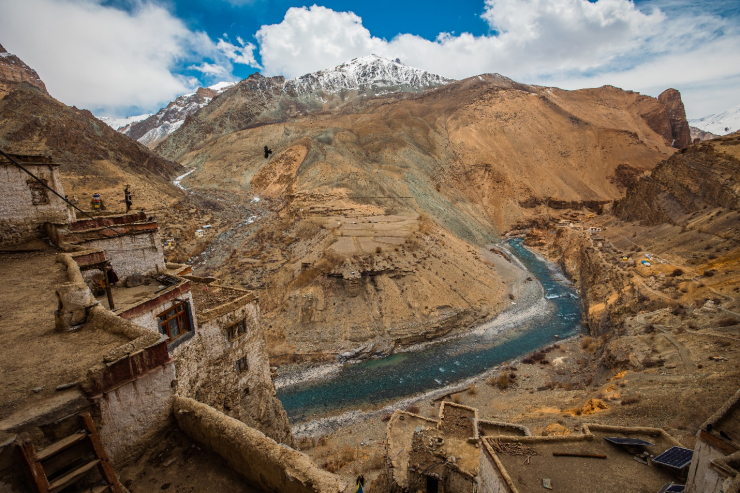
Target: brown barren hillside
[(94, 157), (376, 216)]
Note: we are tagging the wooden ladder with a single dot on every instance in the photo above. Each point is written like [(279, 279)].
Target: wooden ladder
[(67, 461)]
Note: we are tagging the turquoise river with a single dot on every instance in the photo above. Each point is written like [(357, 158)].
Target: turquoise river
[(382, 381)]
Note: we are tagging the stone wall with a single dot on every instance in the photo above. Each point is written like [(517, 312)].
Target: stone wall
[(490, 478), (264, 462), (133, 254), (134, 412), (20, 219), (207, 369)]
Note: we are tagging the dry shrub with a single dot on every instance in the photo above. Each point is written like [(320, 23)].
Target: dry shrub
[(375, 462), (386, 418), (307, 230), (306, 277), (586, 342), (502, 381), (633, 399), (426, 226), (413, 409), (727, 322), (649, 362), (473, 390), (457, 399), (378, 250), (677, 273)]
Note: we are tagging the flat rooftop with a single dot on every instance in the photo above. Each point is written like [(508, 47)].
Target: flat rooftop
[(208, 296), (619, 472), (34, 355)]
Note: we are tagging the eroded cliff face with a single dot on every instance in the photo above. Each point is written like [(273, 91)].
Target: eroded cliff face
[(688, 223), (680, 131), (703, 175)]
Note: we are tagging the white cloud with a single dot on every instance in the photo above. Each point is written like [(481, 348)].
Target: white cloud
[(572, 43), (110, 60), (244, 53)]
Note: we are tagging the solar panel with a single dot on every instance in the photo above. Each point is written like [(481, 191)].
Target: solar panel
[(627, 441), (672, 488), (675, 457)]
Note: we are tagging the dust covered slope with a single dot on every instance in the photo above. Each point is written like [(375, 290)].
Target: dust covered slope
[(485, 142), (378, 213), (94, 157)]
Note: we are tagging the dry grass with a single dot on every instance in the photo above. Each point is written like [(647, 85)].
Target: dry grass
[(307, 230), (633, 399), (340, 458), (413, 409)]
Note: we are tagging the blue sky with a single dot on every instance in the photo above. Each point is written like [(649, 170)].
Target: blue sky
[(124, 57)]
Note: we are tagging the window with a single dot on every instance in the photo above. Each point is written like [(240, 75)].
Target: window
[(175, 321), (242, 365), (236, 330), (38, 192)]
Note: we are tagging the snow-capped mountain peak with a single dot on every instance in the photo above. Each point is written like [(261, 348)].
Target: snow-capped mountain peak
[(150, 129), (720, 123), (368, 72)]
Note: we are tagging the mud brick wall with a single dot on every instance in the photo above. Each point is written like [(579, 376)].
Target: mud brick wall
[(133, 254), (207, 369), (264, 462), (20, 219)]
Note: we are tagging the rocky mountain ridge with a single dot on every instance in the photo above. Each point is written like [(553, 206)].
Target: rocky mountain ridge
[(94, 157), (369, 74), (13, 69), (258, 100)]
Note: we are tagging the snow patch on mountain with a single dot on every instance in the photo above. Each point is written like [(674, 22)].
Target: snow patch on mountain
[(368, 72), (116, 123), (720, 123), (150, 129)]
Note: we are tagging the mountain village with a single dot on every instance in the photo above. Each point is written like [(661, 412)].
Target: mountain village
[(146, 338)]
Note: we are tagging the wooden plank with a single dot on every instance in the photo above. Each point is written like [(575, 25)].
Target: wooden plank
[(36, 475), (105, 467), (716, 442), (61, 461), (586, 456), (72, 476), (62, 444)]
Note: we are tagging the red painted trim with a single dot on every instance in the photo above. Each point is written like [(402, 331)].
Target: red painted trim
[(129, 369), (149, 305), (89, 258), (103, 221)]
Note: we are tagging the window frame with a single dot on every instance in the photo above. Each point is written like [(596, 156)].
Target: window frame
[(232, 334), (182, 317), (241, 365), (39, 194)]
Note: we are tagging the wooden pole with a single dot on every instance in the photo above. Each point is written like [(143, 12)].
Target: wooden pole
[(587, 456), (108, 290)]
